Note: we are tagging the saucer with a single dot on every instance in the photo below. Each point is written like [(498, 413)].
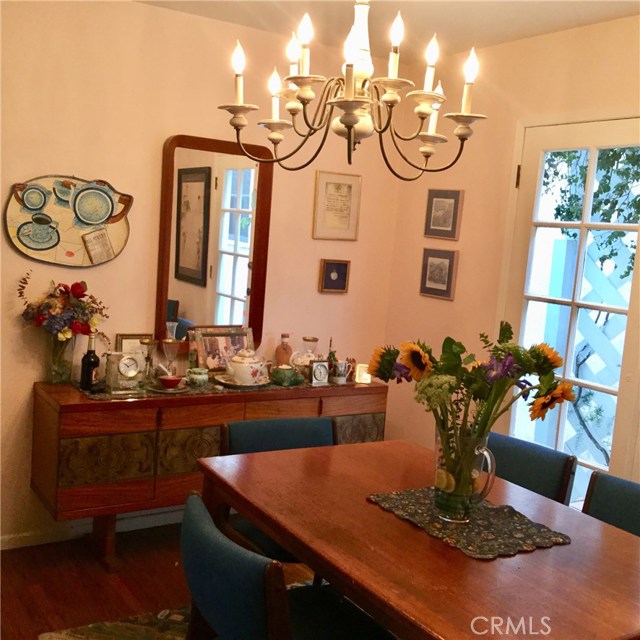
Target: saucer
[(181, 388), (229, 381), (24, 236)]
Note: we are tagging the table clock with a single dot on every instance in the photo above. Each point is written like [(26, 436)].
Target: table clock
[(125, 372), (319, 373)]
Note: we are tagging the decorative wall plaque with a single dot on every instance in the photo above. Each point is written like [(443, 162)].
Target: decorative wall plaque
[(67, 220)]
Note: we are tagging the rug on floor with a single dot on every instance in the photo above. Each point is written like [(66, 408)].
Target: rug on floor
[(166, 625)]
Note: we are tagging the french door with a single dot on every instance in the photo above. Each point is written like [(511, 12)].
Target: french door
[(573, 285)]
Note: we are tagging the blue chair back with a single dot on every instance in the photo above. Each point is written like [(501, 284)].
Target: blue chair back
[(545, 471), (272, 434), (227, 582), (614, 500)]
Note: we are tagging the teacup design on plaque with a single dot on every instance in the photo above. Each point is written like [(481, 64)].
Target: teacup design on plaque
[(39, 234)]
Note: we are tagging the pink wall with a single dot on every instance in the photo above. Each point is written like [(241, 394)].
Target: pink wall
[(94, 89)]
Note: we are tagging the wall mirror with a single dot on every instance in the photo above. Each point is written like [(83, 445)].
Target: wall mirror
[(215, 210)]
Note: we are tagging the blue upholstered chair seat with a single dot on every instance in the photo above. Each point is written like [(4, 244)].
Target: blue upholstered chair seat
[(240, 593)]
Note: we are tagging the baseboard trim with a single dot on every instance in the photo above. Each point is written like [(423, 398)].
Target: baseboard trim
[(62, 531)]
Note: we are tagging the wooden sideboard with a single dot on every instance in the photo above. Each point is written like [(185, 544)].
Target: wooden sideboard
[(97, 458)]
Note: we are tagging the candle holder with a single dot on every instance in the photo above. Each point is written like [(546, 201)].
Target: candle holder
[(464, 121), (305, 93), (275, 127), (430, 140), (391, 88), (425, 100), (238, 111)]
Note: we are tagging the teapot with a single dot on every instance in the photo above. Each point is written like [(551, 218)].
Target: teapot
[(246, 368)]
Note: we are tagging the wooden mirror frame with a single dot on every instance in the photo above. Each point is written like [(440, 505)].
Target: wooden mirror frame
[(260, 247)]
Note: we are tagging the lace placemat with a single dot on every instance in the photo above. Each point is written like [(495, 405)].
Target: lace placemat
[(492, 530)]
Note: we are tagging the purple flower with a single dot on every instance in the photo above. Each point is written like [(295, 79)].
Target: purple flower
[(523, 384), (400, 372), (498, 369)]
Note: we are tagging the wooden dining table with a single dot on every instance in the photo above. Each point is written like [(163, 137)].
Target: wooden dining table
[(314, 503)]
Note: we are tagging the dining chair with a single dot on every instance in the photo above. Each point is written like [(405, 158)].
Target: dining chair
[(271, 434), (241, 594), (614, 500), (545, 471)]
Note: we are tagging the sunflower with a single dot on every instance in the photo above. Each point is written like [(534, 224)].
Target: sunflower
[(382, 363), (552, 356), (416, 359), (540, 406)]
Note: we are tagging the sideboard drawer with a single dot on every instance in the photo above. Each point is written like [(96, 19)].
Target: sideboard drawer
[(352, 405), (206, 415), (303, 408), (91, 423)]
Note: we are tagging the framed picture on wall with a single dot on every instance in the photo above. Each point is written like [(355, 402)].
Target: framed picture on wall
[(192, 224), (337, 206), (439, 273), (130, 342), (334, 276), (444, 209)]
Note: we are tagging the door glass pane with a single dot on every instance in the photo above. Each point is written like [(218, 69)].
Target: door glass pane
[(238, 312), (230, 195), (228, 231), (588, 429), (563, 185), (225, 274), (598, 346), (553, 263), (223, 310), (246, 188), (241, 278), (608, 267), (547, 322), (244, 239), (616, 196)]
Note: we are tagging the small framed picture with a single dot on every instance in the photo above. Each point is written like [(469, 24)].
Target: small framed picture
[(337, 206), (130, 342), (192, 225), (334, 276), (217, 344), (439, 273), (444, 209)]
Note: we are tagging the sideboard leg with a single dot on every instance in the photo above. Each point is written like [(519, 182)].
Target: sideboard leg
[(103, 540)]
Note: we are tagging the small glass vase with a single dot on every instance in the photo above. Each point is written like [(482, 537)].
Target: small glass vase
[(459, 466), (60, 360)]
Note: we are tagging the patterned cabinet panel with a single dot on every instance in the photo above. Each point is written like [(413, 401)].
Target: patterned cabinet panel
[(365, 427), (104, 459), (178, 449)]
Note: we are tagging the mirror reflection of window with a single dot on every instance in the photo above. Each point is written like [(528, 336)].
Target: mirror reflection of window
[(237, 176)]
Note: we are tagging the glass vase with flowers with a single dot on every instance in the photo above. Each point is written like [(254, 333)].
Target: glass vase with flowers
[(466, 397), (63, 312)]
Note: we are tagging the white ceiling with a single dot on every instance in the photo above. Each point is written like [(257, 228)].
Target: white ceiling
[(459, 24)]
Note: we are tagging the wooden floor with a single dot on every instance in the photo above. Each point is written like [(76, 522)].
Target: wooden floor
[(57, 586)]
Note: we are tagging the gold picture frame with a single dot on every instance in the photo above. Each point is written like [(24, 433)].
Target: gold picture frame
[(216, 344), (130, 342), (334, 276), (337, 206)]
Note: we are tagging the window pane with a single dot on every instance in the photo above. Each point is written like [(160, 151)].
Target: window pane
[(238, 312), (230, 196), (545, 322), (616, 195), (580, 484), (246, 188), (553, 264), (225, 273), (227, 232), (540, 431), (608, 267), (241, 278), (598, 346), (563, 185), (223, 310), (588, 429), (244, 241)]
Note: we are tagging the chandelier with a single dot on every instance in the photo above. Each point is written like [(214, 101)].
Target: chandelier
[(354, 105)]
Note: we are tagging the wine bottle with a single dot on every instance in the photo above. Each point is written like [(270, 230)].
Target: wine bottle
[(89, 365)]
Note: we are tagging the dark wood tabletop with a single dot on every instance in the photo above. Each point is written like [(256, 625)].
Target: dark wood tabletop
[(314, 502)]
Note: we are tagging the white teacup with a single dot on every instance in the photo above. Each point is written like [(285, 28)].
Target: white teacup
[(342, 369)]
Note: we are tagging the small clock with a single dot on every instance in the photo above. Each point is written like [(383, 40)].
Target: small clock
[(319, 373), (125, 372)]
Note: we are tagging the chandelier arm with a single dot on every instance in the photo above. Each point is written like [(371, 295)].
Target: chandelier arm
[(411, 137), (448, 166), (393, 171), (376, 107), (276, 159), (306, 164), (425, 170), (329, 85)]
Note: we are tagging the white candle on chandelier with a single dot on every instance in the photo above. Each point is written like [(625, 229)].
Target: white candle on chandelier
[(238, 62), (305, 35), (397, 34), (431, 55), (435, 110), (275, 85), (350, 52), (471, 68), (293, 53)]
